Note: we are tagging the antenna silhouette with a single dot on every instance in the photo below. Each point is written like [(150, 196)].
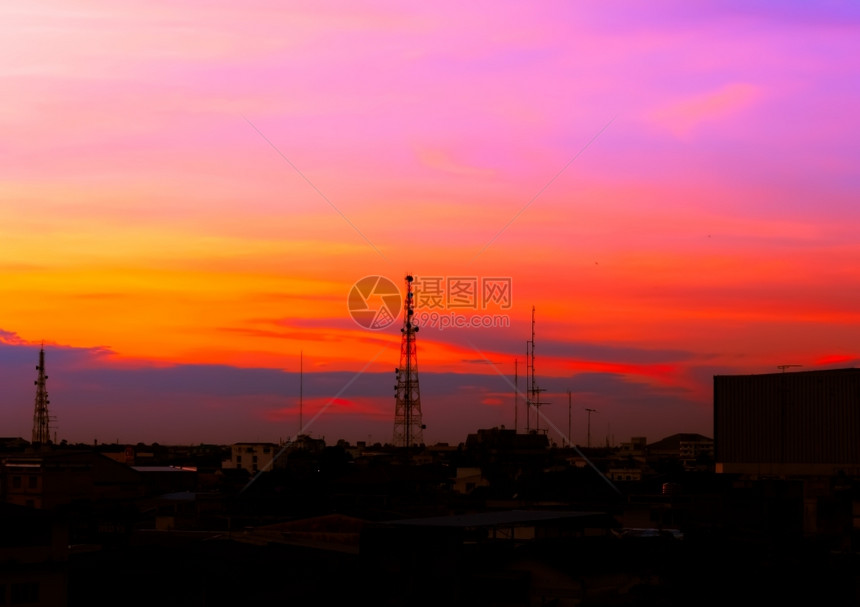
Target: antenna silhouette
[(532, 390), (408, 429), (516, 394), (41, 418), (568, 417), (590, 411), (301, 380)]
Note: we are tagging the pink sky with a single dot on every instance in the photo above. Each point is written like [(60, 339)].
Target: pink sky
[(189, 191)]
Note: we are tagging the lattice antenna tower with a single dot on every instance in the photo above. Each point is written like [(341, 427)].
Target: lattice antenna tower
[(41, 418), (408, 426), (532, 391)]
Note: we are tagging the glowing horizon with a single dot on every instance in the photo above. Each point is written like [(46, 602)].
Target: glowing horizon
[(674, 189)]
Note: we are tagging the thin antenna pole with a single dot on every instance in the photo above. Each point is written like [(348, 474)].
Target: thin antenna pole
[(590, 411), (301, 381), (536, 396), (528, 387), (533, 391), (568, 418), (516, 394)]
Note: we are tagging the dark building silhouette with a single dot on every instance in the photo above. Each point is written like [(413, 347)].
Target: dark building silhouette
[(506, 557), (51, 479), (34, 552), (692, 451), (793, 442), (11, 444), (784, 424)]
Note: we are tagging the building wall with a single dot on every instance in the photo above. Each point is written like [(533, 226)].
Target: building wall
[(783, 423), (625, 474), (468, 479), (49, 480), (252, 457), (34, 550)]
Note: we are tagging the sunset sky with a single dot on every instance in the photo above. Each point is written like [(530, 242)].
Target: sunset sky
[(189, 190)]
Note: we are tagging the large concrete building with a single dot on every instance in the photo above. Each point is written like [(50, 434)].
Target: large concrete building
[(795, 434), (778, 425), (252, 457)]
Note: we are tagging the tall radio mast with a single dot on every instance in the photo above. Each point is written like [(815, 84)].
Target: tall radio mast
[(532, 390), (41, 419), (408, 427)]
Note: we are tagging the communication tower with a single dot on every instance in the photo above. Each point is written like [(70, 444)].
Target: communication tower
[(408, 427), (41, 419), (532, 390)]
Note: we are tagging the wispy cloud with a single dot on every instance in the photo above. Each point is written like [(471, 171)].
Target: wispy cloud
[(683, 116)]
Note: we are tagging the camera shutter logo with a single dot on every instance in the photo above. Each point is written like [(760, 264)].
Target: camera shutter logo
[(374, 302)]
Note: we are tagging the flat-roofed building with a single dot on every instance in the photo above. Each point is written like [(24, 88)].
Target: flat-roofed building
[(787, 424), (56, 478), (251, 457), (800, 428)]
